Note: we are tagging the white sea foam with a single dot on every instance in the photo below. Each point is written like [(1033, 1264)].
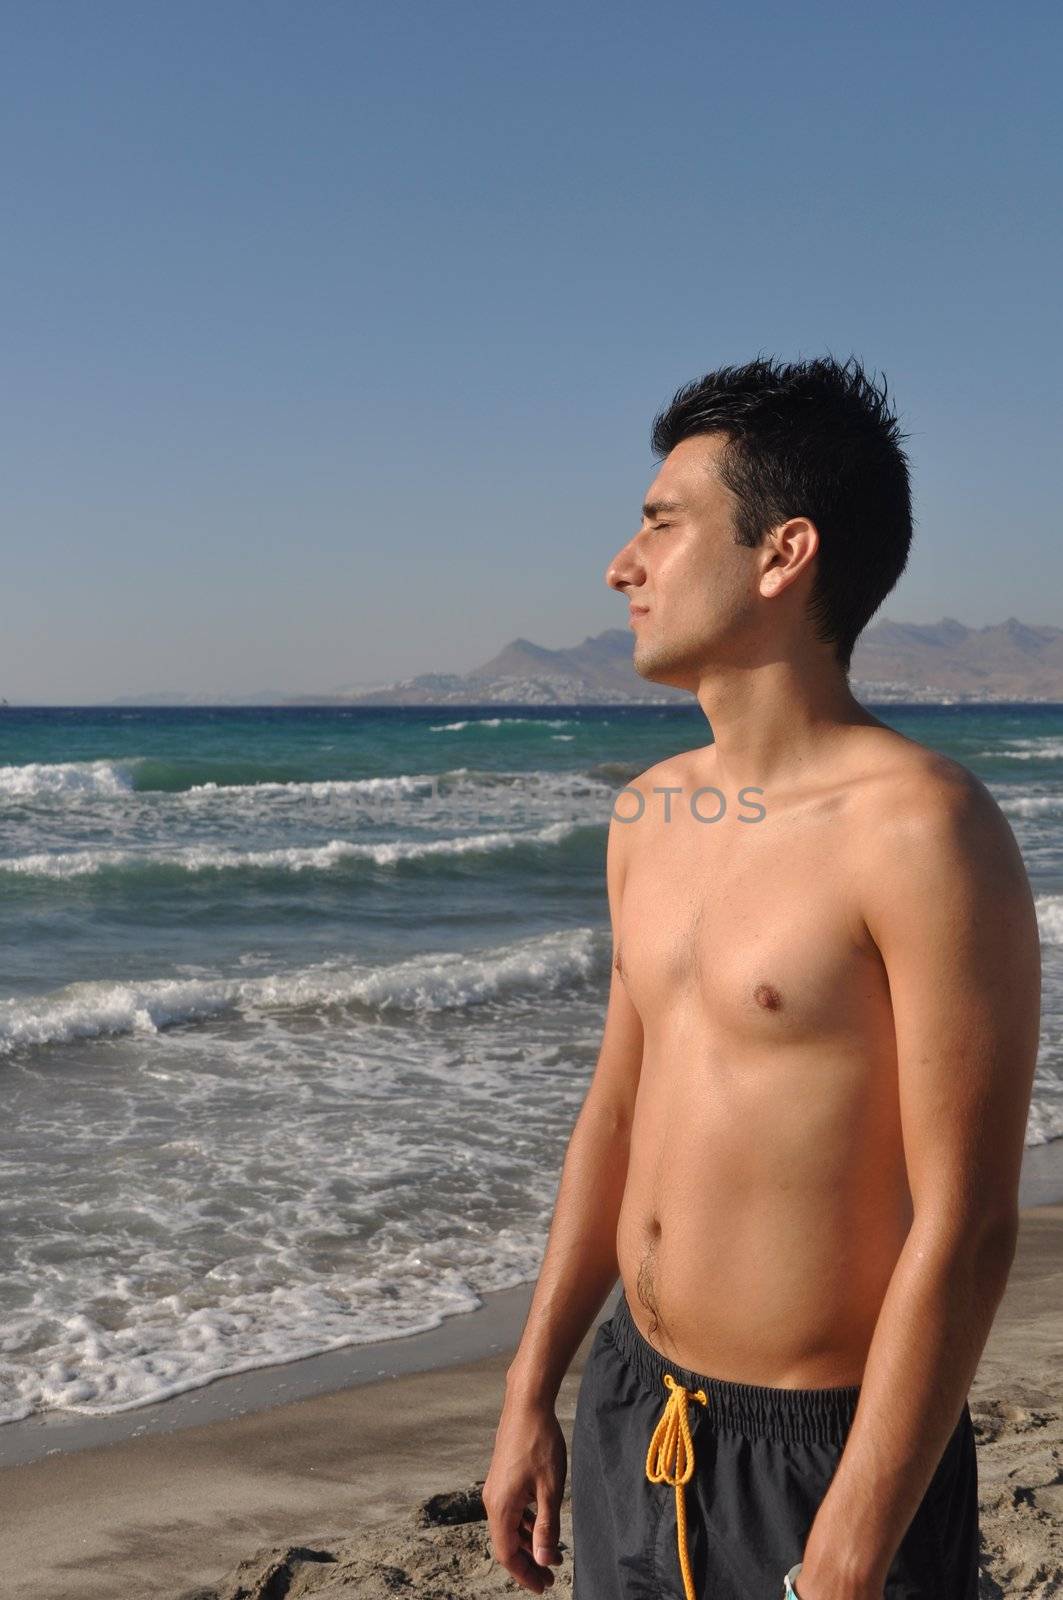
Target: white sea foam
[(1031, 805), (443, 785), (201, 1202), (288, 858), (113, 778), (421, 783), (498, 722), (424, 983), (1045, 1121), (1047, 747), (1049, 909), (67, 777)]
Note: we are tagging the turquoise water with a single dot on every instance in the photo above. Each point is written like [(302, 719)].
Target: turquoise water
[(297, 1008)]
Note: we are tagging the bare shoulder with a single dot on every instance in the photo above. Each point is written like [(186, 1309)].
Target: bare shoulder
[(642, 797), (925, 817), (672, 772), (640, 808), (910, 788)]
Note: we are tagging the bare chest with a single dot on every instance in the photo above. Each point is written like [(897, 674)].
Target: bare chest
[(758, 940)]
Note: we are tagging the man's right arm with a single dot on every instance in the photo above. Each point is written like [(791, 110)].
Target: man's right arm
[(579, 1268), (580, 1264)]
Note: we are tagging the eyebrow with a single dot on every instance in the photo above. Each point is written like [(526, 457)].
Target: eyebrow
[(653, 508)]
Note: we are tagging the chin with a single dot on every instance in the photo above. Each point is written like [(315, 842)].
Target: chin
[(655, 669), (644, 665)]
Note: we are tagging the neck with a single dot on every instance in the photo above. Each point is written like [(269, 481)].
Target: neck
[(774, 722)]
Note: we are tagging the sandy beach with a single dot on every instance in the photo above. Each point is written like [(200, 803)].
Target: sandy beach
[(370, 1489)]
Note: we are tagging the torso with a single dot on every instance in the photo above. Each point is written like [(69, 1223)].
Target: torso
[(766, 1199)]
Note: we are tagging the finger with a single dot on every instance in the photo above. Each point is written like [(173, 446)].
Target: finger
[(524, 1540), (547, 1528), (525, 1531), (511, 1543), (519, 1564)]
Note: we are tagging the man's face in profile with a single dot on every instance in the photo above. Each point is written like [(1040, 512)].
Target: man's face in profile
[(692, 589)]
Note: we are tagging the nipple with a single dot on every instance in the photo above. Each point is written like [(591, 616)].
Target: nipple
[(767, 996)]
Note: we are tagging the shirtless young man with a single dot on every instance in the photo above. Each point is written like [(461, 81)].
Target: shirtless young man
[(800, 1149)]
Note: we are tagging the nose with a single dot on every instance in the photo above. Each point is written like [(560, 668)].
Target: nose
[(625, 568)]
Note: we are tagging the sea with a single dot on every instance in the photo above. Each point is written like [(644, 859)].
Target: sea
[(298, 1007)]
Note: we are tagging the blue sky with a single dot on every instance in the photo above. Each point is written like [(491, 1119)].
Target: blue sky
[(333, 332)]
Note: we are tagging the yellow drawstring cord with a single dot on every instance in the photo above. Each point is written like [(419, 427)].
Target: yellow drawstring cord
[(670, 1459)]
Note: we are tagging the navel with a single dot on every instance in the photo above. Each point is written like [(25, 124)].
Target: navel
[(766, 995)]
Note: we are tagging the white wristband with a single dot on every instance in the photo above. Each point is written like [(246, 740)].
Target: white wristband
[(789, 1592)]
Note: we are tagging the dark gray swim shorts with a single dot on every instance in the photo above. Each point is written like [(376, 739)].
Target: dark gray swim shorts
[(763, 1459)]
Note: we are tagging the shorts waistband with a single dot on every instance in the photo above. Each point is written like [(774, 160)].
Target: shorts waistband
[(823, 1415)]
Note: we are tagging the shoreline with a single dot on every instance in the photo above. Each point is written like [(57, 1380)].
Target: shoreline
[(466, 1336), (493, 1328)]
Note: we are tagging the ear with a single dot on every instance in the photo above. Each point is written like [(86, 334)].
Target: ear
[(788, 551)]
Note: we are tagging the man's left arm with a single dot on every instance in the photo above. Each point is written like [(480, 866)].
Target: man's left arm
[(946, 900)]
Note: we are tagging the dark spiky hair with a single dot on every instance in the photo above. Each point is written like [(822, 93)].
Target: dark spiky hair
[(816, 439)]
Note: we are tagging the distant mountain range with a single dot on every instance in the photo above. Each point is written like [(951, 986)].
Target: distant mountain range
[(893, 661), (1008, 661)]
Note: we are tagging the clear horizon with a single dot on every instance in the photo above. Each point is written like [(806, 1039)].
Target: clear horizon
[(335, 335)]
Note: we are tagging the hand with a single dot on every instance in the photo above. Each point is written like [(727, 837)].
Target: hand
[(529, 1464)]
